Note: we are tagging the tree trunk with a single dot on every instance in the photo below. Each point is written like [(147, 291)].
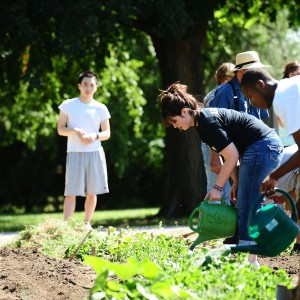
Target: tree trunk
[(184, 175)]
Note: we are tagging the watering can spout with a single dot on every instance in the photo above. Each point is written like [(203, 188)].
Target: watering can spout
[(253, 249), (201, 238)]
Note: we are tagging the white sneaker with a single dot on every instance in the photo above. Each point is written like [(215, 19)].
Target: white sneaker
[(88, 226), (255, 264)]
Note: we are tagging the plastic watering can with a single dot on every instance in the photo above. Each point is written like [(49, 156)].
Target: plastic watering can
[(215, 221), (271, 228)]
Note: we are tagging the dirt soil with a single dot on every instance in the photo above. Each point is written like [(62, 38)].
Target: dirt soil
[(29, 275)]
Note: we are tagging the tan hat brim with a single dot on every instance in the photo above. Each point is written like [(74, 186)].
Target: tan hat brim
[(252, 65)]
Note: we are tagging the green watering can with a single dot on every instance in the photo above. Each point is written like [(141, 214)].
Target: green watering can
[(271, 228), (215, 221)]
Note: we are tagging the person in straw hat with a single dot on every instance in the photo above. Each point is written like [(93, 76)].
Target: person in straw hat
[(229, 95)]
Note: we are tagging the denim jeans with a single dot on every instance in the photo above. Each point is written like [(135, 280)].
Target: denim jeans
[(211, 177), (256, 163)]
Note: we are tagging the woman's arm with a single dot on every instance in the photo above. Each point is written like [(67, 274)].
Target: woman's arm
[(231, 156)]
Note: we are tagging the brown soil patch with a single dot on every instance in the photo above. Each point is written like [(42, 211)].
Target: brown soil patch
[(28, 274)]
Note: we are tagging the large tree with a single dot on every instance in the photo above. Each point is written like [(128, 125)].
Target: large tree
[(178, 33)]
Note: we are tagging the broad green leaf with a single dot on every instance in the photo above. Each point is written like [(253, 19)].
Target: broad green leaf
[(163, 289), (114, 285), (97, 263), (149, 269), (125, 271)]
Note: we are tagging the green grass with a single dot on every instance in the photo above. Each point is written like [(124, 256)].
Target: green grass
[(122, 218)]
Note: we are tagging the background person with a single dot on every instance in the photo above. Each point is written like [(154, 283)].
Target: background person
[(291, 69), (221, 77), (290, 183), (284, 95), (237, 137), (85, 122)]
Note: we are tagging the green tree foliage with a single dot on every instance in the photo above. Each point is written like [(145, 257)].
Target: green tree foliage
[(37, 74), (275, 41), (136, 47)]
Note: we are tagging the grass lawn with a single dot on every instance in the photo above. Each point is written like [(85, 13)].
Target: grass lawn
[(123, 218)]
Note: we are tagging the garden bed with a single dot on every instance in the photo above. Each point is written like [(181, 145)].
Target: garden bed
[(25, 273)]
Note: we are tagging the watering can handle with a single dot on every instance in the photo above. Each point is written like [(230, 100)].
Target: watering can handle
[(191, 219), (289, 198), (195, 211)]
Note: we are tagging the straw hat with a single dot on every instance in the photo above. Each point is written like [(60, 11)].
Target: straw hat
[(247, 60)]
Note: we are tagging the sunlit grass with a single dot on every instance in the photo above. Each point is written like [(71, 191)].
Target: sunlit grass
[(124, 217)]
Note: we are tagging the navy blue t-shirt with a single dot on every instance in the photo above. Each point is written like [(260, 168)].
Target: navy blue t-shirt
[(218, 127)]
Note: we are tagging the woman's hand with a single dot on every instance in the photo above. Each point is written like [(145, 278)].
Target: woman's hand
[(214, 196), (233, 192)]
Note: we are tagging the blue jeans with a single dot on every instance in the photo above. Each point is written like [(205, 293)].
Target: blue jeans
[(256, 163), (211, 177)]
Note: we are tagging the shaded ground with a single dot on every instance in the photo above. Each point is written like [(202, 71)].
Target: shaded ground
[(27, 274)]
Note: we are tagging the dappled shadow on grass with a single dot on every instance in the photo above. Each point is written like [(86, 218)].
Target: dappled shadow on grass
[(11, 227)]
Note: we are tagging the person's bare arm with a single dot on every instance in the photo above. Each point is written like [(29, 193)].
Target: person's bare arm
[(215, 162), (267, 187), (231, 156), (103, 135), (105, 130), (64, 130)]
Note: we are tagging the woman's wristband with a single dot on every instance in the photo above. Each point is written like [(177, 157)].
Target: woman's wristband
[(218, 188)]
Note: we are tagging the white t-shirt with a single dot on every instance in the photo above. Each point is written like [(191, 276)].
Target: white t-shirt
[(86, 116), (286, 103)]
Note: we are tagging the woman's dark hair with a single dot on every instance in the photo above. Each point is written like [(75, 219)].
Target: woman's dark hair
[(89, 74), (291, 67), (172, 100)]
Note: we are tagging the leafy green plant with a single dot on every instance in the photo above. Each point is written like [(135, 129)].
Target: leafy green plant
[(223, 278), (131, 265)]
